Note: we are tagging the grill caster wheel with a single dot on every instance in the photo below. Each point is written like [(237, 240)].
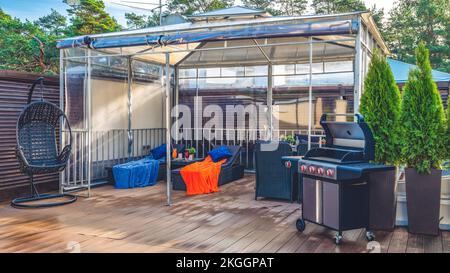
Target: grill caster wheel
[(337, 239), (300, 224), (370, 236)]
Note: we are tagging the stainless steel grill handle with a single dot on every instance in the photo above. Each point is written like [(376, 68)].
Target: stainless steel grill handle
[(324, 116)]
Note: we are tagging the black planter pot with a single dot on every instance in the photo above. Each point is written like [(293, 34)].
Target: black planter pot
[(423, 196), (382, 200)]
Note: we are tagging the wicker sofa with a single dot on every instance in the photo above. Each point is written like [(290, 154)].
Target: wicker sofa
[(230, 171)]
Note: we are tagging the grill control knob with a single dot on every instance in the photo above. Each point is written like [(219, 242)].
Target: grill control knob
[(330, 172), (288, 164), (320, 171), (312, 169), (303, 168)]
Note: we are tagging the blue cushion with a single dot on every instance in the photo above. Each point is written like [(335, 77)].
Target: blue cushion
[(159, 152), (220, 153)]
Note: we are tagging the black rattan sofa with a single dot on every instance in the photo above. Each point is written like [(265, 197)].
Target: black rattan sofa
[(230, 171)]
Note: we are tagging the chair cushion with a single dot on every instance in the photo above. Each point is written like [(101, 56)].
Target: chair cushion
[(219, 153), (159, 152)]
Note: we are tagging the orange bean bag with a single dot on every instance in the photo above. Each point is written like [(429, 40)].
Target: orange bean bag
[(202, 177)]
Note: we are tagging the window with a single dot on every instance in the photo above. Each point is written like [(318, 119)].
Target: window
[(304, 68), (209, 72), (284, 69), (344, 66), (256, 71), (187, 73), (233, 71)]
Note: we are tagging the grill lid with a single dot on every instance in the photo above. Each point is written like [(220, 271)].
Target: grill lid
[(346, 142)]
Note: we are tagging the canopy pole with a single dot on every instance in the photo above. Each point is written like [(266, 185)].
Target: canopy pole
[(89, 119), (160, 12), (61, 105), (129, 105), (269, 95), (270, 98), (168, 137), (358, 68), (310, 93)]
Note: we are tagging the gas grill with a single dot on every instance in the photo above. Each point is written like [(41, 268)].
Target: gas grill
[(335, 177)]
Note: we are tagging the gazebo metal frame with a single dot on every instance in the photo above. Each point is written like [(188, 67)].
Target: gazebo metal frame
[(189, 38)]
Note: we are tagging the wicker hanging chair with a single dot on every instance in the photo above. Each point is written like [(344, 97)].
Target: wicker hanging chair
[(37, 148)]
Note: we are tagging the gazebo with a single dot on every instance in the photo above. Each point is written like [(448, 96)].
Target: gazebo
[(118, 88)]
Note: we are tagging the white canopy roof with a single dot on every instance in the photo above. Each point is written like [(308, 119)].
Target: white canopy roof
[(194, 42)]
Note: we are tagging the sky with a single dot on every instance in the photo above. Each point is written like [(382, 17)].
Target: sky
[(33, 9)]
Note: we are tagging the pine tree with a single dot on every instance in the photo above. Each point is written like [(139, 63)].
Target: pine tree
[(90, 17), (25, 47), (135, 21), (337, 6), (53, 24), (380, 106), (293, 7), (411, 21), (423, 118), (188, 7)]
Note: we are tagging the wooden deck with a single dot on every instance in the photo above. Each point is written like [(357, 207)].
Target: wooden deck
[(138, 220)]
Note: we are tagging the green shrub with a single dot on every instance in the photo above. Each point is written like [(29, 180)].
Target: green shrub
[(423, 132), (289, 139), (380, 106), (447, 148)]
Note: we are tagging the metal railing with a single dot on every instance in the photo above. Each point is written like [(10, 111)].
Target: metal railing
[(246, 138), (75, 174), (108, 148), (117, 146)]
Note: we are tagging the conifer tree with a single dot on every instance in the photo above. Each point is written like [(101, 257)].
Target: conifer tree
[(424, 135), (380, 106)]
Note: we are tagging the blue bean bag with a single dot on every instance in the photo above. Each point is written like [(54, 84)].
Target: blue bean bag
[(139, 173)]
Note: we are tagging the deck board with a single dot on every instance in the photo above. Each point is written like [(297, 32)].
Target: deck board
[(138, 220), (415, 244), (432, 244), (398, 241)]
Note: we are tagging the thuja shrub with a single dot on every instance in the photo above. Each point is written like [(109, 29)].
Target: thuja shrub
[(424, 135), (380, 106), (447, 148)]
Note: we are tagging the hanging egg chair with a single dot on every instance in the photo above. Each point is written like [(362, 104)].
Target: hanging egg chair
[(37, 148)]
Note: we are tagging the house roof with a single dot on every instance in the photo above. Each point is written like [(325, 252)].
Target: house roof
[(401, 70)]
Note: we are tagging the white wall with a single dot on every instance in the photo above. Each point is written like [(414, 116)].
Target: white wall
[(147, 106), (109, 104), (110, 114), (110, 110)]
